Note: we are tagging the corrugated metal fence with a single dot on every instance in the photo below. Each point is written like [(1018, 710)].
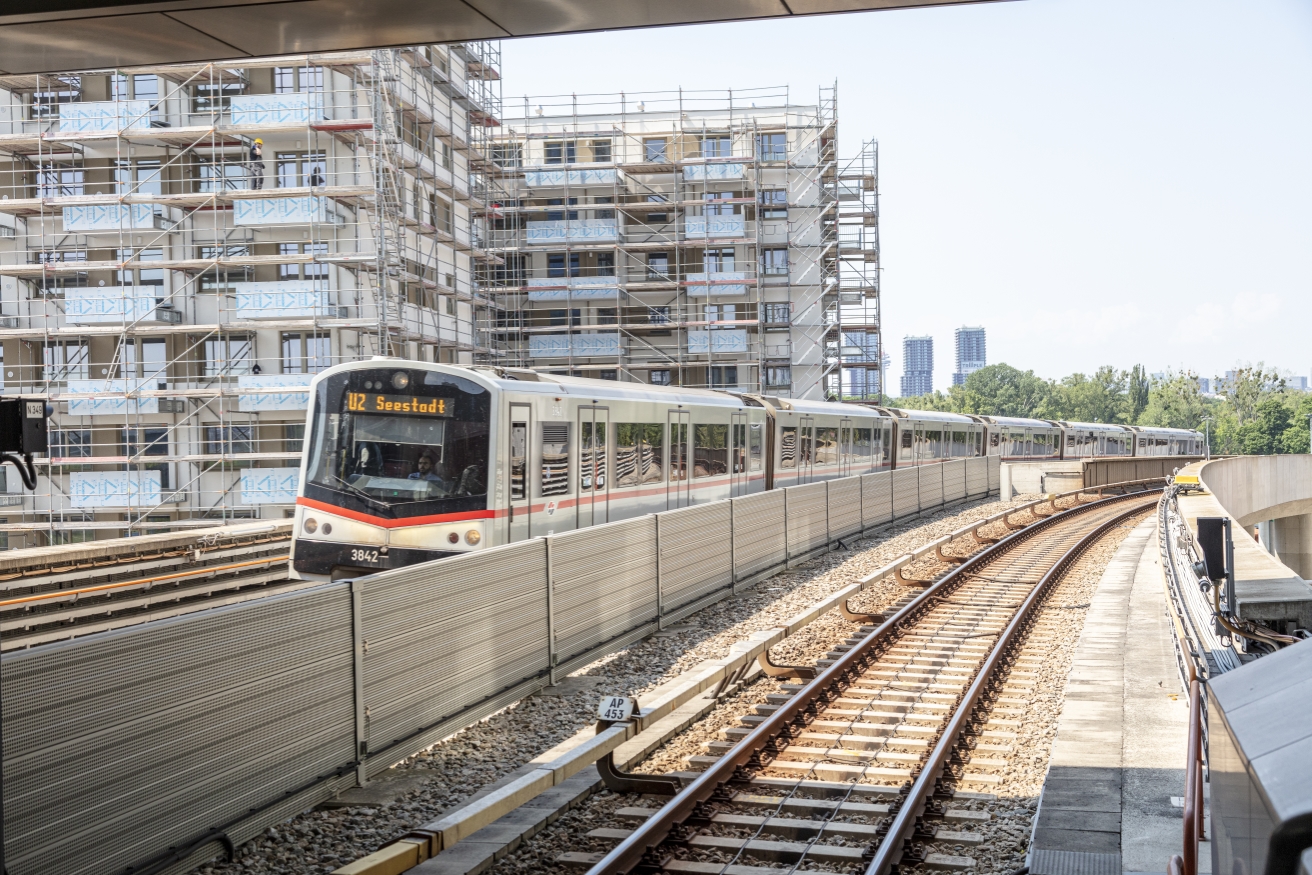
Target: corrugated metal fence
[(157, 746)]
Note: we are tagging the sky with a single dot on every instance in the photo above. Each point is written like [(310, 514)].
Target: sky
[(1094, 181)]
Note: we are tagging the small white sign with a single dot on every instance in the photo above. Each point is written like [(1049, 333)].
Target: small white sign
[(615, 708), (36, 410)]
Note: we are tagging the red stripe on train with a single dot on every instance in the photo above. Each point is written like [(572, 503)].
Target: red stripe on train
[(396, 524)]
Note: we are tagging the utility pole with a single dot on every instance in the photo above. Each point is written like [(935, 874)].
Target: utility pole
[(1207, 435)]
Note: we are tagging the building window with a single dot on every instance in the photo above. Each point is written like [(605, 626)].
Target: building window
[(609, 374), (603, 214), (556, 264), (717, 260), (215, 97), (559, 151), (608, 316), (772, 147), (305, 353), (716, 147), (299, 169), (557, 317), (293, 437), (62, 280), (290, 79), (450, 306), (222, 440), (778, 314), (147, 442), (141, 276), (653, 149), (774, 261), (70, 443), (443, 217), (509, 155), (218, 175), (658, 266), (229, 356), (657, 218), (723, 376), (779, 377), (557, 215), (145, 360), (774, 203), (52, 181), (660, 378), (311, 270), (605, 264), (65, 360), (658, 315), (45, 104), (601, 151), (221, 278)]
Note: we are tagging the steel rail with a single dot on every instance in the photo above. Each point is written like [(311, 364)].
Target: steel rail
[(892, 847), (793, 716)]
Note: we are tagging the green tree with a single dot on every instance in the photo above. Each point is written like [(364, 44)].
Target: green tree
[(1100, 398), (1138, 391), (1247, 389), (1001, 390), (1175, 402)]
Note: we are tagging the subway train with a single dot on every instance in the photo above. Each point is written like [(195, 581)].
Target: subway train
[(408, 461)]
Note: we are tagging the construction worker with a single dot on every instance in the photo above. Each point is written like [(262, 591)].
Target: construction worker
[(256, 164)]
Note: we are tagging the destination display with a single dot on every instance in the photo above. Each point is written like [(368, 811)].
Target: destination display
[(371, 402)]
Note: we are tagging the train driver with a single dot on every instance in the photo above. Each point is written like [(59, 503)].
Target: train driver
[(428, 470)]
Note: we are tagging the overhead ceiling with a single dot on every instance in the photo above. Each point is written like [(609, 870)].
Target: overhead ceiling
[(41, 36)]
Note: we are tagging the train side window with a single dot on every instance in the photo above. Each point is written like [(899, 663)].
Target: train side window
[(592, 456), (861, 446), (518, 460), (555, 458), (979, 443), (959, 445), (638, 452), (805, 454), (933, 445), (887, 445), (710, 450), (905, 452), (826, 446), (788, 447), (993, 440), (755, 446), (678, 451), (739, 460)]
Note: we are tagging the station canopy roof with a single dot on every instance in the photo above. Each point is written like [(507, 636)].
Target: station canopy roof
[(44, 36)]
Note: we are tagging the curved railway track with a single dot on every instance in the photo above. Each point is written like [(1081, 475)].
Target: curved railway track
[(852, 770)]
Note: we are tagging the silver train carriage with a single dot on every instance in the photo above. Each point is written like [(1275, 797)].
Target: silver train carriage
[(410, 461)]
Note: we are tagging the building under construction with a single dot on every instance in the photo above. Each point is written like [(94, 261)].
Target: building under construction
[(694, 238), (183, 247)]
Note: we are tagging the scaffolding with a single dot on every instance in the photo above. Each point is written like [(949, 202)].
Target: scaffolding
[(183, 247), (689, 238)]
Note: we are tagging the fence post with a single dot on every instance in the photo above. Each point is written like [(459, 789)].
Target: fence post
[(660, 594), (829, 530), (551, 617), (788, 553), (357, 645)]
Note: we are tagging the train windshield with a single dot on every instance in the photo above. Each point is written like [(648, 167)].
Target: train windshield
[(400, 446)]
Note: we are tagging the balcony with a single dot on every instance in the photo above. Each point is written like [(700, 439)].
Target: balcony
[(286, 392), (698, 172), (587, 288), (578, 345), (115, 489), (553, 178), (111, 218), (571, 231), (701, 285), (714, 226), (104, 116), (286, 299), (248, 110), (122, 305), (269, 485), (722, 340), (97, 397), (279, 211)]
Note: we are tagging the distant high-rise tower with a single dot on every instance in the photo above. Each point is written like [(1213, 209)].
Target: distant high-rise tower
[(970, 353), (917, 366)]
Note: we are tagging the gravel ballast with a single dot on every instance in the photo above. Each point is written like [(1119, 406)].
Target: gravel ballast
[(458, 767)]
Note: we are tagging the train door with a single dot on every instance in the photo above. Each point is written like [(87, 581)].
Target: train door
[(678, 490), (594, 484), (806, 449), (845, 447), (519, 505), (918, 444), (738, 454)]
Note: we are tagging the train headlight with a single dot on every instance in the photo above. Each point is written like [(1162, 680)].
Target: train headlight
[(311, 525), (400, 380), (472, 537), (454, 538)]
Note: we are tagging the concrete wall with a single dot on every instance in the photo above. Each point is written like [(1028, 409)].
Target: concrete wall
[(1100, 472), (1290, 541), (1034, 478), (1254, 489)]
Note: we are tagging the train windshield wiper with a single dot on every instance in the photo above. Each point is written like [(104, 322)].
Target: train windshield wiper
[(360, 492)]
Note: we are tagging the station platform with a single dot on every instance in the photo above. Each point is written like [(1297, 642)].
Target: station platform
[(1111, 802)]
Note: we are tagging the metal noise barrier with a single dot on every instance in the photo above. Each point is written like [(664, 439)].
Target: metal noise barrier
[(154, 748)]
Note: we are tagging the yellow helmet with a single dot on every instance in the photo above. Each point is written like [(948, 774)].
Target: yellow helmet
[(258, 140)]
